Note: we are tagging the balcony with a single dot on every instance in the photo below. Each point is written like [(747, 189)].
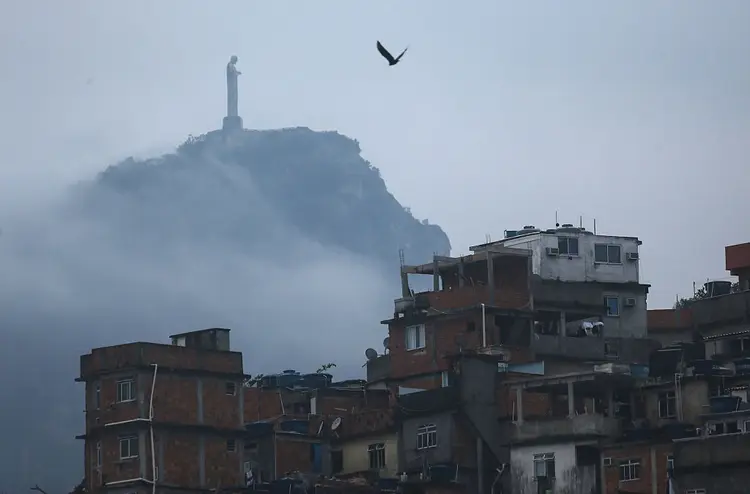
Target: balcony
[(722, 309), (590, 348), (724, 449), (378, 368), (588, 425)]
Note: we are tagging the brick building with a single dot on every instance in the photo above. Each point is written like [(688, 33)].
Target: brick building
[(171, 414)]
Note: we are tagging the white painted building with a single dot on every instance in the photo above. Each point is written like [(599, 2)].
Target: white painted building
[(555, 466), (575, 255)]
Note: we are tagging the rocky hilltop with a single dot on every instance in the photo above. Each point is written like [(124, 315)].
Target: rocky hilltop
[(244, 186)]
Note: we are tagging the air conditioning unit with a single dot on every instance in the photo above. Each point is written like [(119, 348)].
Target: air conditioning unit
[(632, 256), (607, 461), (553, 251), (630, 302)]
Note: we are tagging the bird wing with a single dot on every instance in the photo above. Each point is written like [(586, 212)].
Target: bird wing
[(385, 53), (402, 54)]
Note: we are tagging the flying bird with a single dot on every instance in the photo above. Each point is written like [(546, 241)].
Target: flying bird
[(387, 55)]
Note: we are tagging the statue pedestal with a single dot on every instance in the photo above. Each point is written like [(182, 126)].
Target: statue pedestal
[(232, 123)]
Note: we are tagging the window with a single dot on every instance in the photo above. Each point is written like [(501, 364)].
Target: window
[(567, 246), (98, 454), (376, 452), (230, 388), (427, 436), (695, 491), (667, 405), (607, 254), (125, 390), (98, 397), (630, 470), (231, 445), (128, 447), (544, 465), (444, 379), (670, 464), (613, 306), (747, 425), (415, 337)]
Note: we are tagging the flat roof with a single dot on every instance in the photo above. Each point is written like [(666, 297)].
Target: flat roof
[(199, 331)]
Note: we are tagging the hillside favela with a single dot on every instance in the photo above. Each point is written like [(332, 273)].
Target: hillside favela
[(530, 365), (255, 247)]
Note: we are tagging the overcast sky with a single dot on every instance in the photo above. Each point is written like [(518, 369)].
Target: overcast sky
[(635, 113)]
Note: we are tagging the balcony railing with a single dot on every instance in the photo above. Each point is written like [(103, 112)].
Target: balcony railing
[(590, 348), (723, 449), (588, 425)]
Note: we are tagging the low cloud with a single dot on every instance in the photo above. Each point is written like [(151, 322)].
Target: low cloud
[(199, 248)]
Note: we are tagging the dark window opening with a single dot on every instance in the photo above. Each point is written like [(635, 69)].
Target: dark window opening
[(607, 254), (337, 461), (567, 246), (471, 326)]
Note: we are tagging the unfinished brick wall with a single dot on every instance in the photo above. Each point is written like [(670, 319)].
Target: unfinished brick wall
[(641, 452), (293, 453)]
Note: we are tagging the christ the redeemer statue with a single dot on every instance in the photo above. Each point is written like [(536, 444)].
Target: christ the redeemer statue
[(233, 119)]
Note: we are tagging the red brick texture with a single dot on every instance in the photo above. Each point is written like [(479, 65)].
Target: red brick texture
[(641, 452), (178, 382), (169, 356), (293, 453), (669, 319)]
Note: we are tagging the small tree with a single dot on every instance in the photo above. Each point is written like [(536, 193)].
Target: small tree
[(325, 367), (700, 294)]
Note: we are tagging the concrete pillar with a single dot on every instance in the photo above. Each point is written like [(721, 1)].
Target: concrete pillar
[(571, 400), (435, 274), (480, 466), (610, 402), (561, 332), (405, 292), (490, 278), (519, 405)]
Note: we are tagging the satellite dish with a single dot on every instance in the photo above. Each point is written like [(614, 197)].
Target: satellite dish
[(386, 342), (320, 429), (336, 423), (371, 353)]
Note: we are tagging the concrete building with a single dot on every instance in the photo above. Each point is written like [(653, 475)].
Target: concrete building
[(579, 258), (166, 414)]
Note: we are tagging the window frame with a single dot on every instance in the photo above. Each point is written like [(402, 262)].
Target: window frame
[(121, 383), (608, 248), (97, 396), (231, 445), (420, 337), (376, 456), (129, 440), (98, 454), (607, 298), (633, 466), (566, 240), (427, 436), (230, 385), (668, 397), (545, 459)]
